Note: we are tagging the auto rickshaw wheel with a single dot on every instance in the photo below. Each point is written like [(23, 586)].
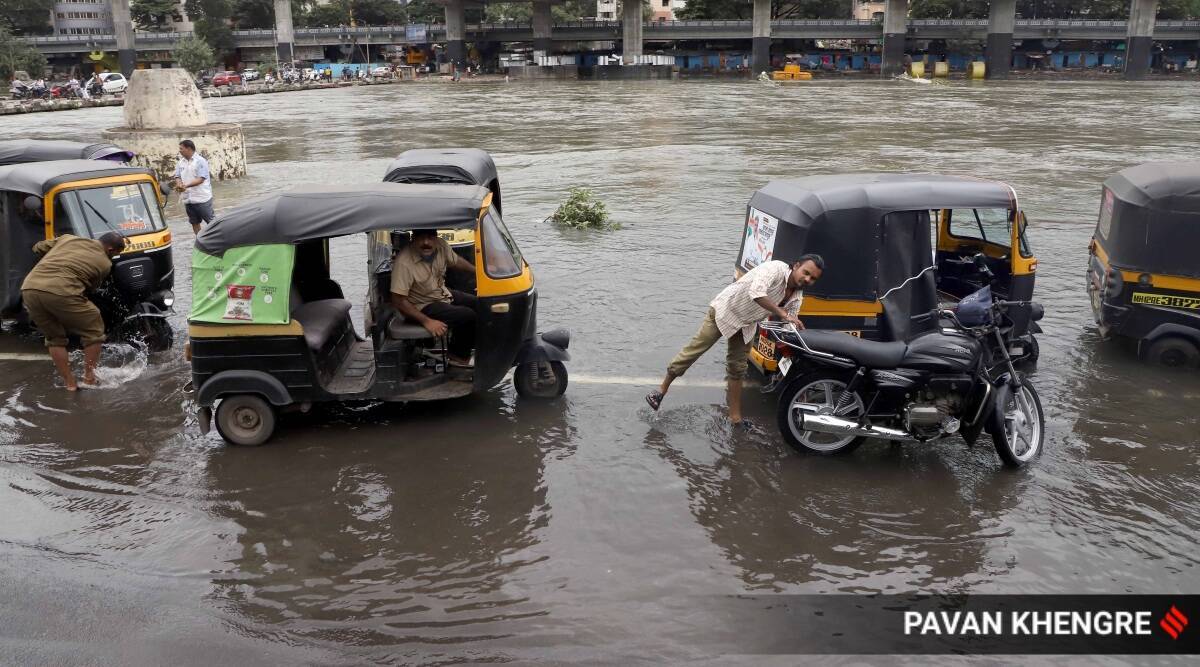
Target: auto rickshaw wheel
[(1173, 352), (541, 379), (245, 419)]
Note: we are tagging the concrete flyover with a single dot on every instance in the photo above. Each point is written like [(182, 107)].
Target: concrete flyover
[(590, 31)]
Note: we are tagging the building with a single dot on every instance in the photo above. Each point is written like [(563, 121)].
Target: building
[(661, 10), (869, 10), (82, 17)]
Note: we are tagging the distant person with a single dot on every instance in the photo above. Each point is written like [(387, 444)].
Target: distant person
[(770, 289), (55, 295), (193, 182)]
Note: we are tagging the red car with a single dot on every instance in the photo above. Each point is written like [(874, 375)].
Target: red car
[(226, 79)]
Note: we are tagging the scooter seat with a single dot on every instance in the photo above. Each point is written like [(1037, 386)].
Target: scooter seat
[(870, 353)]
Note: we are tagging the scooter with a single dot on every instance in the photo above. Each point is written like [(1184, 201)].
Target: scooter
[(839, 390)]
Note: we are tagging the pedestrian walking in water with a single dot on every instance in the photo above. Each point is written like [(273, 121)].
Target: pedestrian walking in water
[(770, 289), (193, 182), (55, 295)]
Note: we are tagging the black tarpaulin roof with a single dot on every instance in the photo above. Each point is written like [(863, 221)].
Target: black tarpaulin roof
[(470, 166), (36, 178), (19, 151), (307, 212)]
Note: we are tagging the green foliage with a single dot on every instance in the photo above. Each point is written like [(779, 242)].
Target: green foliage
[(780, 9), (583, 211), (26, 17), (153, 15), (425, 11), (15, 56), (211, 18), (194, 55), (362, 12), (1116, 10)]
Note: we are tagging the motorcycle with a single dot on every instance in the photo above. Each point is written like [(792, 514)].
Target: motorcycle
[(842, 390), (21, 90)]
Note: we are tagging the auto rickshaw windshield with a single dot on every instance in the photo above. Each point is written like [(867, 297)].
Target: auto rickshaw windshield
[(129, 210), (991, 225), (501, 256)]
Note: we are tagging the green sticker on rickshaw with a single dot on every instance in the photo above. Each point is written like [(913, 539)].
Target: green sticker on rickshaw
[(248, 285)]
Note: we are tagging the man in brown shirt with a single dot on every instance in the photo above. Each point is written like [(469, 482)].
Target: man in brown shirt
[(419, 292), (55, 294)]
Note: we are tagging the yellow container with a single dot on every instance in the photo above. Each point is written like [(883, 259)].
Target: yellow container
[(791, 67), (781, 76), (918, 70), (802, 76), (977, 70), (941, 68)]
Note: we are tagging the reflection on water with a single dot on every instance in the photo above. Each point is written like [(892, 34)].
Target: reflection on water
[(588, 529)]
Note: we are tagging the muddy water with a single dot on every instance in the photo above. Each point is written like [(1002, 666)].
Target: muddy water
[(589, 529)]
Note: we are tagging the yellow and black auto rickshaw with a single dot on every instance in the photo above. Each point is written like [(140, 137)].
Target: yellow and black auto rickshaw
[(1144, 273), (271, 330), (897, 248), (87, 198)]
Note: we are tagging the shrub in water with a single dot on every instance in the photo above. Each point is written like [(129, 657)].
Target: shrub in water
[(583, 211)]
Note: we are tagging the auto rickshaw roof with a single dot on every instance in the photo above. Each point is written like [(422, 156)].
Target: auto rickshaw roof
[(470, 166), (803, 201), (20, 151), (308, 212), (1162, 186), (36, 178)]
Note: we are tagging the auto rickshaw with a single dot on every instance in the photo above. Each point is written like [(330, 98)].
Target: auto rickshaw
[(23, 151), (1143, 272), (42, 200), (271, 329), (463, 166), (897, 248)]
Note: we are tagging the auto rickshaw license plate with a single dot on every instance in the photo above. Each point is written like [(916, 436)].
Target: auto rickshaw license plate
[(765, 347)]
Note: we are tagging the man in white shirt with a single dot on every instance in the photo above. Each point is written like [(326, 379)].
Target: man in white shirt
[(193, 182), (771, 288)]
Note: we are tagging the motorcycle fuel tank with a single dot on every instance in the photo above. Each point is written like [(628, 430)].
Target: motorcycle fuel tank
[(942, 353)]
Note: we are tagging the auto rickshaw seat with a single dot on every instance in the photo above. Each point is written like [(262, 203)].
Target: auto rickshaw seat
[(400, 329), (321, 320)]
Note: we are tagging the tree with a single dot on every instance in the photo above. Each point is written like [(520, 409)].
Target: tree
[(26, 17), (153, 14), (251, 14), (424, 11), (211, 18), (780, 9), (16, 55), (194, 55)]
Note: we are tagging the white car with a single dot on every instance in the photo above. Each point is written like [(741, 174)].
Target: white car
[(381, 72), (250, 75), (114, 82)]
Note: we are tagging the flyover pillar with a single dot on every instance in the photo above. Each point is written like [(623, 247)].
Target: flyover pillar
[(543, 25), (895, 28), (1002, 17), (761, 41), (1139, 44), (123, 31), (456, 32), (631, 26), (285, 33)]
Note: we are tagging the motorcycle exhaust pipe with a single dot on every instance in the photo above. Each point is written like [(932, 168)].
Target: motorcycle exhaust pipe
[(837, 426)]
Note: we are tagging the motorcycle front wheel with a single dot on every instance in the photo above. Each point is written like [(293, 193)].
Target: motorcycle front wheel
[(1018, 426), (818, 392)]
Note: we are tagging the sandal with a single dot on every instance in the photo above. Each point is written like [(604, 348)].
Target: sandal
[(654, 398)]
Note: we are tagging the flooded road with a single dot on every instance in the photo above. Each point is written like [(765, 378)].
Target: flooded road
[(590, 529)]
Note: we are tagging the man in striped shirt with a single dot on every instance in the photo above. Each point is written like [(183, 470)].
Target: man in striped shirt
[(770, 289)]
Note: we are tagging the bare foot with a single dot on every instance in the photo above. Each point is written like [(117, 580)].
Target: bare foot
[(72, 387)]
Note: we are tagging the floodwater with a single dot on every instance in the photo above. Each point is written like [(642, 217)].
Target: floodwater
[(589, 529)]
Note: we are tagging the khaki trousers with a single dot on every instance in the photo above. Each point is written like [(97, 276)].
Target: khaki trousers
[(57, 316), (736, 363)]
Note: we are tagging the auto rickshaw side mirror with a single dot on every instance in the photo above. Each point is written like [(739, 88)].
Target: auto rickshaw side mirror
[(165, 188), (33, 204)]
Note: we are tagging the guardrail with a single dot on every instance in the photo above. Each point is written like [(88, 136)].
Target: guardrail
[(603, 30)]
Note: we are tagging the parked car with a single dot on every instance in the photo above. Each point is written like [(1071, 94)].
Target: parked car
[(250, 75), (381, 72), (114, 82), (226, 79)]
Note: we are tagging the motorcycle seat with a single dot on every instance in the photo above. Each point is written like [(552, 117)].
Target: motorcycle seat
[(870, 353)]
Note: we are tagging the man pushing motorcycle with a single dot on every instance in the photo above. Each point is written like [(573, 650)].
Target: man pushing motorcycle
[(770, 289)]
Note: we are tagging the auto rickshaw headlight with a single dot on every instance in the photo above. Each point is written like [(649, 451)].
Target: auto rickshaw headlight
[(165, 298)]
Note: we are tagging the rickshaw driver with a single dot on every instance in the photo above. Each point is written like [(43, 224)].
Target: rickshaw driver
[(770, 289), (419, 292)]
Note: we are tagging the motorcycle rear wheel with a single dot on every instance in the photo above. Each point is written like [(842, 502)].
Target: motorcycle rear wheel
[(1018, 426), (817, 391)]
